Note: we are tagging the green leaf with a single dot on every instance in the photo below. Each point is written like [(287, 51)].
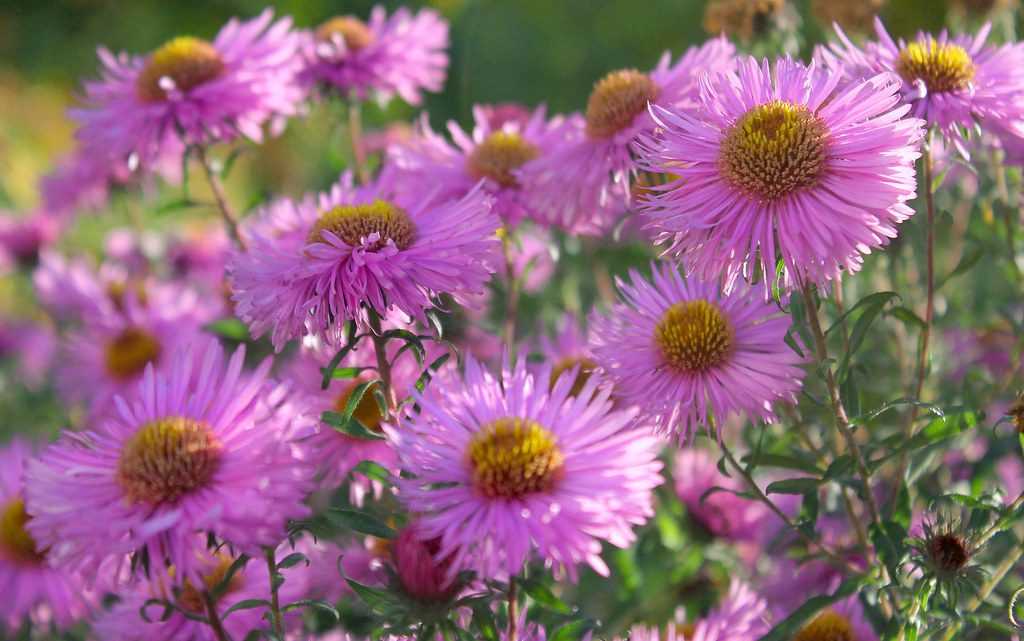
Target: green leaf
[(572, 631), (229, 328), (236, 566), (907, 317), (784, 461), (878, 411), (425, 377), (247, 604), (376, 598), (967, 261), (849, 392), (292, 560), (345, 372), (483, 622), (543, 595), (793, 486), (313, 603), (374, 470), (168, 609), (872, 307), (889, 544), (350, 344), (839, 468), (361, 522), (876, 300), (351, 427), (790, 627)]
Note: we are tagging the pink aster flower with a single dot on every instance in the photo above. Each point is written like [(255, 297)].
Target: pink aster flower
[(683, 349), (199, 447), (502, 468), (843, 620), (193, 91), (569, 350), (741, 616), (31, 587), (770, 149), (23, 237), (32, 343), (586, 183), (124, 620), (316, 263), (955, 83), (404, 54), (429, 164)]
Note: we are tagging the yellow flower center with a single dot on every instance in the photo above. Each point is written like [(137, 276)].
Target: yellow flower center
[(367, 410), (586, 368), (16, 543), (941, 66), (694, 336), (167, 459), (828, 626), (349, 29), (129, 353), (774, 150), (616, 100), (498, 156), (513, 457), (184, 62), (191, 599), (117, 290), (353, 223)]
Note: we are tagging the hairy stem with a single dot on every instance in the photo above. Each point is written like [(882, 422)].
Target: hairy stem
[(227, 213), (275, 604), (213, 618), (383, 366), (513, 611)]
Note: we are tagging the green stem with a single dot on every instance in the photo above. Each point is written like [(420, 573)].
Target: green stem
[(512, 291), (355, 132), (227, 213), (275, 604), (213, 618), (513, 611), (997, 576), (383, 366)]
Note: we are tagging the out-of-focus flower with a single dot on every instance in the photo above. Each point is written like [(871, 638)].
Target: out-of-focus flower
[(585, 184), (681, 350), (32, 343), (741, 616), (569, 351), (955, 83), (419, 571), (316, 263), (502, 469), (199, 447), (772, 148), (852, 16), (403, 54), (743, 19), (23, 237), (193, 91), (995, 349), (982, 7), (428, 166), (32, 588), (844, 620), (533, 255)]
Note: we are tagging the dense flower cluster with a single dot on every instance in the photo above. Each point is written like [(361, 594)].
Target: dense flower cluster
[(345, 415)]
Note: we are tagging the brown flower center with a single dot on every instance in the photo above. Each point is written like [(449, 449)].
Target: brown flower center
[(617, 99), (586, 368), (352, 31), (16, 543), (941, 66), (694, 336), (191, 599), (828, 626), (367, 411), (130, 351), (948, 552), (513, 457), (117, 291), (167, 459), (181, 64), (354, 223), (774, 150), (498, 156)]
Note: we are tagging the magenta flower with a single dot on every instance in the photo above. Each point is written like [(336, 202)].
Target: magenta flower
[(741, 616), (955, 83), (420, 573), (199, 447), (124, 620), (316, 263), (22, 238), (681, 350), (568, 351), (770, 149), (193, 91), (502, 468), (32, 588), (843, 620), (428, 165), (404, 54), (584, 185), (32, 344)]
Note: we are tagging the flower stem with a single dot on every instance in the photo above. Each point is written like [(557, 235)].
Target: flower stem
[(513, 611), (226, 212), (383, 366), (355, 134), (842, 422), (512, 292), (275, 604), (213, 618)]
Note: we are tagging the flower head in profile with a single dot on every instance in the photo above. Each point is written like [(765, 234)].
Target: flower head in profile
[(429, 164), (32, 587), (193, 91), (213, 570), (945, 550), (681, 350), (568, 352), (954, 82), (503, 469), (740, 616), (316, 263), (198, 447), (781, 163), (404, 54), (586, 183), (844, 620)]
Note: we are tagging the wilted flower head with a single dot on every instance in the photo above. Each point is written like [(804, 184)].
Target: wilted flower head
[(772, 147), (199, 446), (193, 91), (32, 588), (955, 83), (502, 469), (945, 550), (404, 54), (854, 16), (316, 263), (681, 350), (743, 19)]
